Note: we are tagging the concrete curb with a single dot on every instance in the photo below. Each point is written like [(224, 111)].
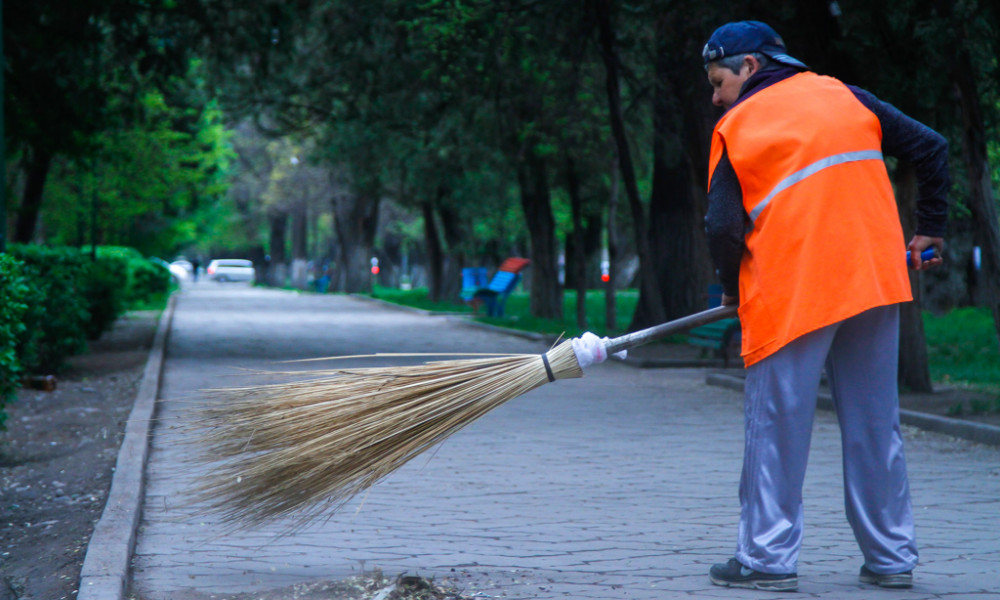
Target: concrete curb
[(109, 553), (967, 430)]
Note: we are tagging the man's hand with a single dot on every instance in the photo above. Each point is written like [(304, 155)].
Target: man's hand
[(918, 244), (730, 300)]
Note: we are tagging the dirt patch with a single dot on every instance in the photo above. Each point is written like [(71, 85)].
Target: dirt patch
[(369, 586), (57, 459)]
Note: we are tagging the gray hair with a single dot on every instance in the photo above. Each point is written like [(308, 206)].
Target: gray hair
[(734, 62)]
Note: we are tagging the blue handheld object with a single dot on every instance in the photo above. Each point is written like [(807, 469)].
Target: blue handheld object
[(925, 255)]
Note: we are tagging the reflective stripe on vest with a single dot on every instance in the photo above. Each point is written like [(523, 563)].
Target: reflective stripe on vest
[(812, 169)]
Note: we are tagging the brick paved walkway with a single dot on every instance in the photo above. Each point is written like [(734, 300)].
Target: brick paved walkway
[(619, 485)]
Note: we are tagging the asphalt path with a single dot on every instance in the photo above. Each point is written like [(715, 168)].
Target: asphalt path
[(622, 484)]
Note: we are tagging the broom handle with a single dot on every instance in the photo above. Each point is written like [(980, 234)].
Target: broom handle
[(644, 336)]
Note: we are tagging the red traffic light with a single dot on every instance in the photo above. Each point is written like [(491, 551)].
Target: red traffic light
[(375, 270)]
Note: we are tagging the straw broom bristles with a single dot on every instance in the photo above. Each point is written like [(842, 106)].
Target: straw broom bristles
[(302, 449)]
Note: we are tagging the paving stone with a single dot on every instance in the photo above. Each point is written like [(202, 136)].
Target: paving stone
[(622, 484)]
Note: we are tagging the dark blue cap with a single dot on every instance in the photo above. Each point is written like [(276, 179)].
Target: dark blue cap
[(743, 37)]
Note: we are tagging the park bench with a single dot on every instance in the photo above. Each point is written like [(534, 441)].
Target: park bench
[(721, 337), (494, 294), (473, 278)]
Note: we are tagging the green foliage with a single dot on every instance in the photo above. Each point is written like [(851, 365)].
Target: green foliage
[(104, 287), (148, 280), (962, 348), (149, 185), (140, 279), (56, 324), (71, 298), (13, 306), (517, 314), (418, 298)]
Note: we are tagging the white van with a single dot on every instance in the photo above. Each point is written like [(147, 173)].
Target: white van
[(230, 269)]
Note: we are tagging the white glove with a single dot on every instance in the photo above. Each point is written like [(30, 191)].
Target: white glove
[(589, 349)]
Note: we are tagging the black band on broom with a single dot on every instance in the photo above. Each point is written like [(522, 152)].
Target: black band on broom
[(302, 449)]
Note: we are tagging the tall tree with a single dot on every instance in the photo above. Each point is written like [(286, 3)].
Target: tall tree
[(66, 63), (965, 81), (650, 308), (676, 208)]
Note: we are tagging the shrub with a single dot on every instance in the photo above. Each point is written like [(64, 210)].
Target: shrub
[(105, 288), (56, 320), (13, 306), (71, 298), (142, 278), (149, 279)]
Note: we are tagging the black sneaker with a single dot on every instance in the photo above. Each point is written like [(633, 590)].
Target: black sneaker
[(734, 574), (888, 580)]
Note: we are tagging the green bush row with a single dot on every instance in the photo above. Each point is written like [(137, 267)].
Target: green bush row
[(16, 298), (54, 299)]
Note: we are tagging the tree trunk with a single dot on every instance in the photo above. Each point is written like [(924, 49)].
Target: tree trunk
[(914, 370), (277, 270), (435, 256), (981, 202), (649, 309), (674, 220), (356, 218), (455, 233), (578, 259), (546, 293), (31, 199), (300, 238)]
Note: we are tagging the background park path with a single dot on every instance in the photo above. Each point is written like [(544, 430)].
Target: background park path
[(622, 484)]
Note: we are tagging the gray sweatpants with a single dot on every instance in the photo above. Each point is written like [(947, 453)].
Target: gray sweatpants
[(861, 358)]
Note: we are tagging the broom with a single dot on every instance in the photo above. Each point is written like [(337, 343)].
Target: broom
[(302, 449)]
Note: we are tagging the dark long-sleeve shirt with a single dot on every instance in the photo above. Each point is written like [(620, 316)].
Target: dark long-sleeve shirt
[(905, 138)]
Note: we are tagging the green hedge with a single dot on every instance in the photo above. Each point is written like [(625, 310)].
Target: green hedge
[(56, 298), (79, 298), (143, 278), (57, 324), (17, 292), (105, 293)]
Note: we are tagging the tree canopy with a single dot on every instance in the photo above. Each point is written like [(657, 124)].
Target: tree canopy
[(443, 134)]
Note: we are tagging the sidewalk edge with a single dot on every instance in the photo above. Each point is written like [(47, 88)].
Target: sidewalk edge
[(967, 430), (106, 565)]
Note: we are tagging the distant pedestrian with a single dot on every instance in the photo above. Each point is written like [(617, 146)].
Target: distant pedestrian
[(195, 265), (804, 230)]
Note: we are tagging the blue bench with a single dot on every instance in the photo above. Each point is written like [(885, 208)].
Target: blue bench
[(473, 278), (494, 294)]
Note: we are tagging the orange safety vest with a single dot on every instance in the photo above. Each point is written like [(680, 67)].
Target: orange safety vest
[(826, 242)]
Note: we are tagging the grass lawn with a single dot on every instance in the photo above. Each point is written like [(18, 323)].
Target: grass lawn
[(962, 348), (518, 316)]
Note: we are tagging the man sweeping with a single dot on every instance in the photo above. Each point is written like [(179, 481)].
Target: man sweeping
[(803, 227)]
